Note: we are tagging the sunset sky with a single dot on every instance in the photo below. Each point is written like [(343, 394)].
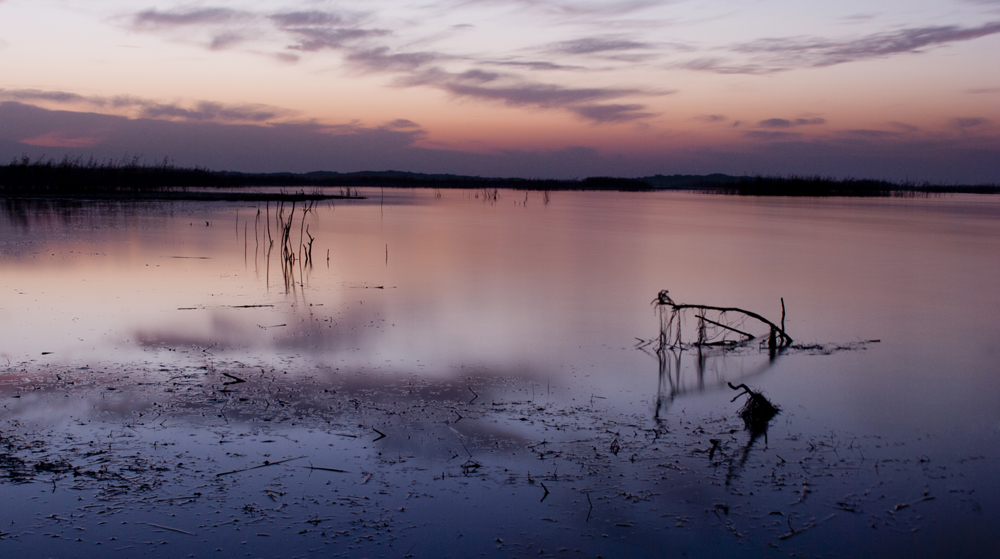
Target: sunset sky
[(537, 88)]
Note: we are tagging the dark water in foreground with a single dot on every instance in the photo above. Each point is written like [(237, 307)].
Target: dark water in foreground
[(456, 375)]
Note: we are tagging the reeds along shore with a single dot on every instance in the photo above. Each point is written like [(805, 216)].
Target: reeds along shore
[(133, 177), (79, 177)]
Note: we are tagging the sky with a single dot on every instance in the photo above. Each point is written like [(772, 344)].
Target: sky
[(886, 89)]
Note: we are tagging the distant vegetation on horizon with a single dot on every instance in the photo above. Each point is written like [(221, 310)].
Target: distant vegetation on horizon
[(133, 178)]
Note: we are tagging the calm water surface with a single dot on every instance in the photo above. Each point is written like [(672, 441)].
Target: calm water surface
[(533, 303)]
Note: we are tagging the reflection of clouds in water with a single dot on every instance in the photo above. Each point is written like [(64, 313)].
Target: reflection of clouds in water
[(221, 330), (301, 328), (420, 416)]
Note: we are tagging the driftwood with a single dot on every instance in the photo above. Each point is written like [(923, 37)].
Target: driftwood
[(714, 331)]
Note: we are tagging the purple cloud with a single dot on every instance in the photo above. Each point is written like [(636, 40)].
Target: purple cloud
[(200, 111), (308, 19), (784, 123), (969, 122), (155, 18), (771, 136), (370, 50), (820, 52), (536, 94), (868, 133), (206, 111), (583, 102), (780, 54), (313, 39), (579, 8), (721, 65), (402, 124), (611, 112), (531, 64), (595, 45), (478, 76), (225, 40), (904, 126), (381, 59)]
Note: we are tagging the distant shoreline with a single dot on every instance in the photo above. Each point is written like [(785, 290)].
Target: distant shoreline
[(76, 179)]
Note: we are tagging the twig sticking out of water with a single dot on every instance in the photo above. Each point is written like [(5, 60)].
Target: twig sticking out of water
[(309, 247)]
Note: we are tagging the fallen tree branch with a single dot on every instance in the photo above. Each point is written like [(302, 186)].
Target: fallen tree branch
[(780, 332), (671, 324), (719, 324)]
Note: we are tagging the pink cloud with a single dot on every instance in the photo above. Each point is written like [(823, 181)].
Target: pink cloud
[(61, 140)]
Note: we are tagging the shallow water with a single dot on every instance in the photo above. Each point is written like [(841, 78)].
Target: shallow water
[(492, 342)]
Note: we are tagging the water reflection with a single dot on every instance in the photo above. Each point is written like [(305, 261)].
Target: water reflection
[(499, 334), (27, 215), (552, 288), (694, 370)]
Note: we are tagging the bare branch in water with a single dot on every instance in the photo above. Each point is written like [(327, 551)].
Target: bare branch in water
[(713, 331)]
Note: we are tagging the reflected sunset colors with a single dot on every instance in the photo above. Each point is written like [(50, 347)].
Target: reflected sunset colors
[(431, 283), (447, 338)]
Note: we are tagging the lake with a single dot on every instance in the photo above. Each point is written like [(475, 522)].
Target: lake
[(430, 373)]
